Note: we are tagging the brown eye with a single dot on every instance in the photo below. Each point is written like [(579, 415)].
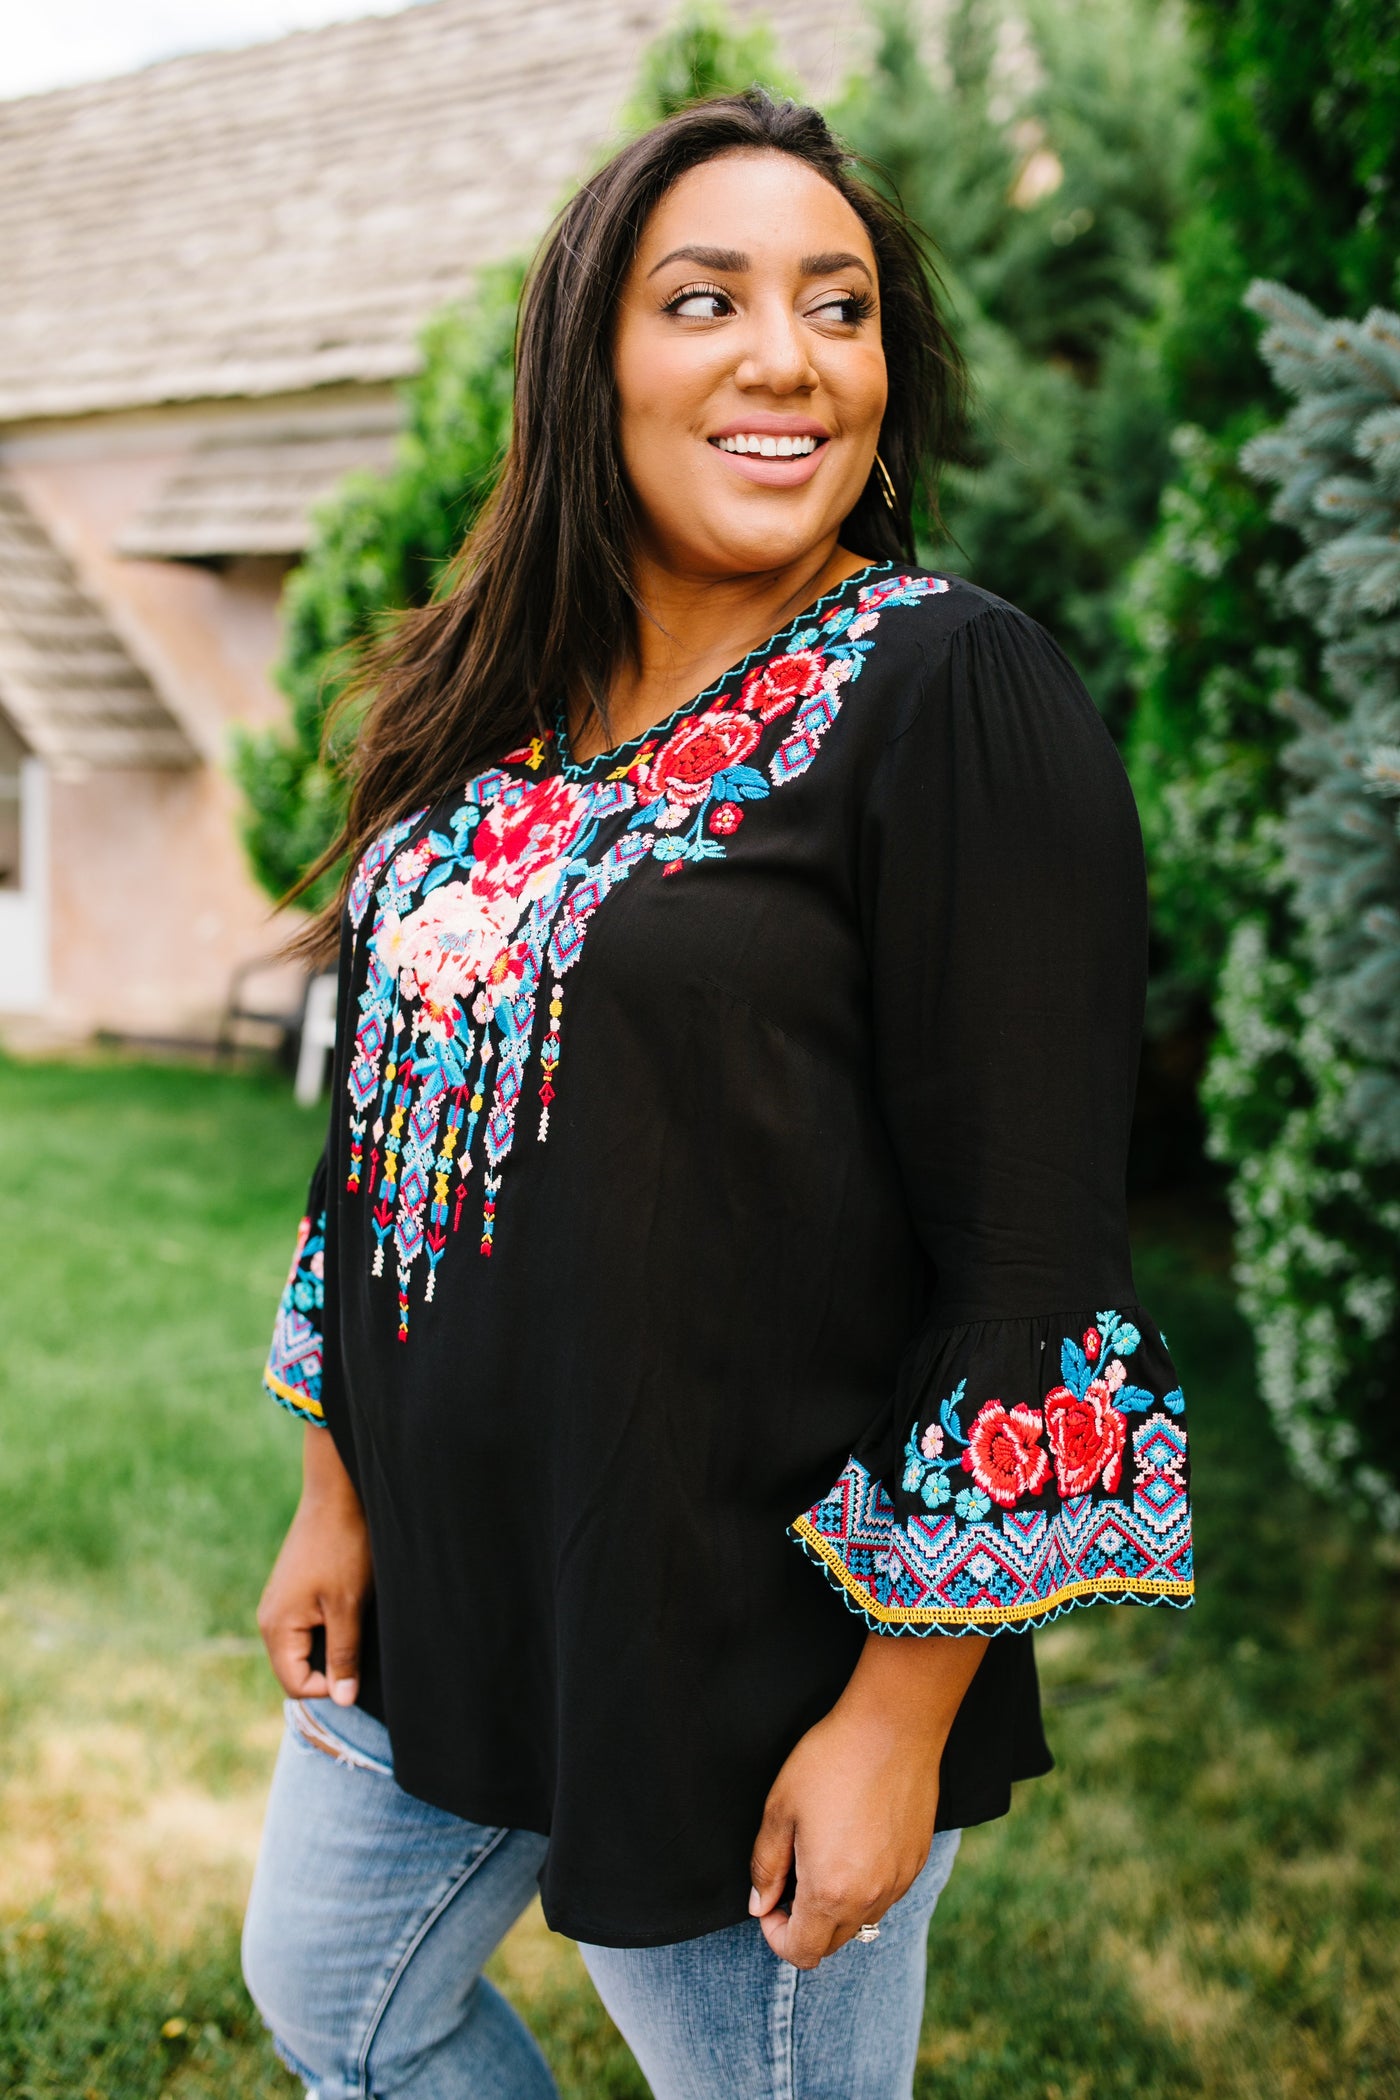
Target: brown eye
[(847, 308), (701, 303)]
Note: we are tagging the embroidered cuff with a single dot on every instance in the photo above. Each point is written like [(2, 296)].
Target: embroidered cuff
[(1007, 1510), (293, 1373)]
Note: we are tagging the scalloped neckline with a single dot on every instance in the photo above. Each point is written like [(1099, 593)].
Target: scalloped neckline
[(618, 754)]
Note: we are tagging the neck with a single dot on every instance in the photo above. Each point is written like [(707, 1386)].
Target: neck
[(691, 628)]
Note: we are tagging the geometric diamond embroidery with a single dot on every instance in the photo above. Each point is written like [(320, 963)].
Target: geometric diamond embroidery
[(293, 1371), (1008, 1569)]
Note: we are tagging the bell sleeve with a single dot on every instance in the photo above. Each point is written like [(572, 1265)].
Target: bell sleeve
[(296, 1358), (1034, 1455)]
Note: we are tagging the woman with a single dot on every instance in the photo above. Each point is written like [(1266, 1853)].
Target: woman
[(741, 966)]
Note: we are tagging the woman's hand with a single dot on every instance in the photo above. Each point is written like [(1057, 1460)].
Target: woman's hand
[(851, 1812), (321, 1578)]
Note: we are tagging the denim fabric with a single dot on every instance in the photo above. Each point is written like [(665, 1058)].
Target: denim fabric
[(722, 2018), (370, 1919), (372, 1914)]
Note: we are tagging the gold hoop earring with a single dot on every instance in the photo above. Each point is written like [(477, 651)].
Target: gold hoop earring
[(886, 485)]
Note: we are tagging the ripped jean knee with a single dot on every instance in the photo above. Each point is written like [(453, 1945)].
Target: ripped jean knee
[(370, 1917)]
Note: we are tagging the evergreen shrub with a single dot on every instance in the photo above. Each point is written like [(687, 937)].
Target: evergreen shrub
[(1211, 645), (1303, 1092), (1048, 174), (1294, 175)]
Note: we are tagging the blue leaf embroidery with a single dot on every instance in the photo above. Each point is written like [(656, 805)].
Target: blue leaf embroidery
[(1074, 1367), (739, 783), (1133, 1400), (948, 1412), (1175, 1401)]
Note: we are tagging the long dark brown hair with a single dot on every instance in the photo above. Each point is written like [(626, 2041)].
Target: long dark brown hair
[(540, 601)]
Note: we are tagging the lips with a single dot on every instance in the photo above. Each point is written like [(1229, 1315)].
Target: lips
[(775, 451), (767, 447)]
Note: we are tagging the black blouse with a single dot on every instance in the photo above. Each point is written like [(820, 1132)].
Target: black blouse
[(727, 1160)]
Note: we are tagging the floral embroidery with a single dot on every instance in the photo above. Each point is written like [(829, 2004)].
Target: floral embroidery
[(1062, 1537), (293, 1373), (457, 942), (772, 688), (474, 918), (1086, 1435), (683, 772), (1003, 1453)]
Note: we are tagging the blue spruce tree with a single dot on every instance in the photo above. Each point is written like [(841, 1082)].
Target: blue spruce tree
[(1304, 1089)]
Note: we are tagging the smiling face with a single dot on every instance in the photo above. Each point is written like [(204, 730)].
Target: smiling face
[(750, 374)]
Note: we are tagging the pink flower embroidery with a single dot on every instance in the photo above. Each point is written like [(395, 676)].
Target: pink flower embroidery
[(931, 1442), (1003, 1453), (413, 863), (1086, 1437), (522, 846), (688, 761), (445, 948), (776, 686), (456, 940)]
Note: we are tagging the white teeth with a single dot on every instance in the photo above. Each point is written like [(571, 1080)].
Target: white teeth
[(769, 447)]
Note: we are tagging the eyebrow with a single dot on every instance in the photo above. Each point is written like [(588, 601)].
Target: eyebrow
[(731, 261)]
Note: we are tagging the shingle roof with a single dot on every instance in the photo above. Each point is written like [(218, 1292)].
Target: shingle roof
[(262, 221), (66, 681), (236, 496)]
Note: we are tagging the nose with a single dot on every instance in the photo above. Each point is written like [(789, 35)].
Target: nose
[(774, 357)]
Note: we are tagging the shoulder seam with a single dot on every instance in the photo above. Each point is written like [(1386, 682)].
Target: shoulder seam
[(931, 661)]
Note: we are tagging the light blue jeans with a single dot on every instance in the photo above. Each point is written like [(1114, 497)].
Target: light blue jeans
[(372, 1915)]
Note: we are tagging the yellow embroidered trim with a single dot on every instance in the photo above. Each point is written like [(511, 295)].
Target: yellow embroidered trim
[(300, 1403), (976, 1614)]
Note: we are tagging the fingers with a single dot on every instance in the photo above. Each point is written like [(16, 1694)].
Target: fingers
[(772, 1860), (288, 1647), (815, 1927), (342, 1623), (288, 1635)]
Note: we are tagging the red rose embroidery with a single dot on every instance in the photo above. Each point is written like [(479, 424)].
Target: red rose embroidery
[(725, 817), (1093, 1342), (1003, 1453), (775, 687), (686, 764), (1086, 1437)]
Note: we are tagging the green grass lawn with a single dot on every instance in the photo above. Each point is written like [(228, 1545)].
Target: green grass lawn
[(1202, 1900)]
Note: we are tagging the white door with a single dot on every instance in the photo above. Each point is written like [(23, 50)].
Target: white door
[(24, 861)]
